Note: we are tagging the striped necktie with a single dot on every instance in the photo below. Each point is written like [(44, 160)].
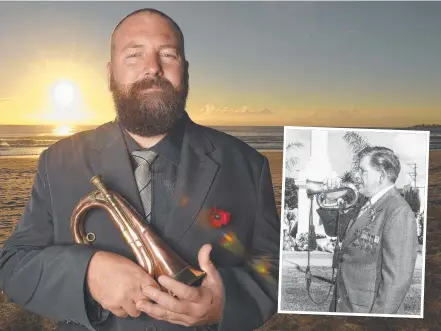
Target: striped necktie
[(143, 176), (364, 208)]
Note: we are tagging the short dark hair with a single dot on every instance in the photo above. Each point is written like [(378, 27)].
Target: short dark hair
[(150, 11), (382, 158)]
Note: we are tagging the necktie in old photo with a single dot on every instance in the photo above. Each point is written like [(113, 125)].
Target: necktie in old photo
[(363, 209)]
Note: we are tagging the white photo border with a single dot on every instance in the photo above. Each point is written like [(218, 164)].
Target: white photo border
[(424, 230)]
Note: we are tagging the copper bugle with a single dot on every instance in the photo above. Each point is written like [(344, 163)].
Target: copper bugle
[(322, 194), (151, 252)]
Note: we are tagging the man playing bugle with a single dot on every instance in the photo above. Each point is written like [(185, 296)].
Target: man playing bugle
[(377, 253)]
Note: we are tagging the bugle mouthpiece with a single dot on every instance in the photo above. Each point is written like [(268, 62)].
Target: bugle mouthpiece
[(96, 180)]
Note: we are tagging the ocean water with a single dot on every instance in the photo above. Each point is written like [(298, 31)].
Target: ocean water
[(31, 140)]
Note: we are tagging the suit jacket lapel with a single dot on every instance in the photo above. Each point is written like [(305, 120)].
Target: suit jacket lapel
[(197, 170), (355, 213), (111, 161), (196, 173), (367, 217)]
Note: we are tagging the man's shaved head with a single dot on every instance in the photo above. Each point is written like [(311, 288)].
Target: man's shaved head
[(148, 72), (141, 11)]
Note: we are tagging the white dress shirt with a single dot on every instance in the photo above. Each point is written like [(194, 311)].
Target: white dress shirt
[(378, 195), (374, 199)]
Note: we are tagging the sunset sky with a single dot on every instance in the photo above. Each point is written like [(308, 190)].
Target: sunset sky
[(251, 63)]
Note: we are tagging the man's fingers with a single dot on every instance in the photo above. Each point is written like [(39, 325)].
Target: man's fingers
[(130, 309), (152, 309), (205, 262), (119, 312), (166, 300), (149, 281), (141, 295), (181, 290), (332, 183), (160, 313)]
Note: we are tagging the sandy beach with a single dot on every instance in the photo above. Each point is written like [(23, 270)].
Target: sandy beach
[(16, 178)]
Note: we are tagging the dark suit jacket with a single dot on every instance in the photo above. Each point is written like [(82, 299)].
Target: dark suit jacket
[(43, 271), (377, 258)]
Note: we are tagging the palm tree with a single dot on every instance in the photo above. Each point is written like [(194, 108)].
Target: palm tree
[(292, 161), (357, 143), (412, 196), (348, 177), (291, 190)]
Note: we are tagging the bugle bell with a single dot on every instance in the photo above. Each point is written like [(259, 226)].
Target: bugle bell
[(150, 251), (344, 197)]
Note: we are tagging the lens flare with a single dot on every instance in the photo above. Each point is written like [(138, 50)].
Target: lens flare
[(230, 242), (263, 268)]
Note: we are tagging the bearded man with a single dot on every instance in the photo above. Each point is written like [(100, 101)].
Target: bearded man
[(173, 172)]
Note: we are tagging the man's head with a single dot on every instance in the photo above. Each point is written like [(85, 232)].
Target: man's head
[(148, 72), (378, 167)]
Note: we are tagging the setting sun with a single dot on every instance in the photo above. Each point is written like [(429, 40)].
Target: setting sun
[(63, 93), (66, 93)]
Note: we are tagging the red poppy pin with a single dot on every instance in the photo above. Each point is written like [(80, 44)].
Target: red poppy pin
[(218, 217)]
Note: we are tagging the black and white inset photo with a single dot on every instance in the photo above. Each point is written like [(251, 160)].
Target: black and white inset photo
[(354, 205)]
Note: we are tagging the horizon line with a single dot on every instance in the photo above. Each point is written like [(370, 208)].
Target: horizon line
[(214, 125)]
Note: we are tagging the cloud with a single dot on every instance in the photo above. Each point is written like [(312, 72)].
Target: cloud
[(5, 99), (211, 110), (266, 111), (333, 115)]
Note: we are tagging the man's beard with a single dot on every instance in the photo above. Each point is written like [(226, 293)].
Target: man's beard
[(149, 113)]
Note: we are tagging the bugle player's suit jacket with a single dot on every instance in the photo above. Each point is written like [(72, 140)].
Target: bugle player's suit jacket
[(377, 257), (43, 271)]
